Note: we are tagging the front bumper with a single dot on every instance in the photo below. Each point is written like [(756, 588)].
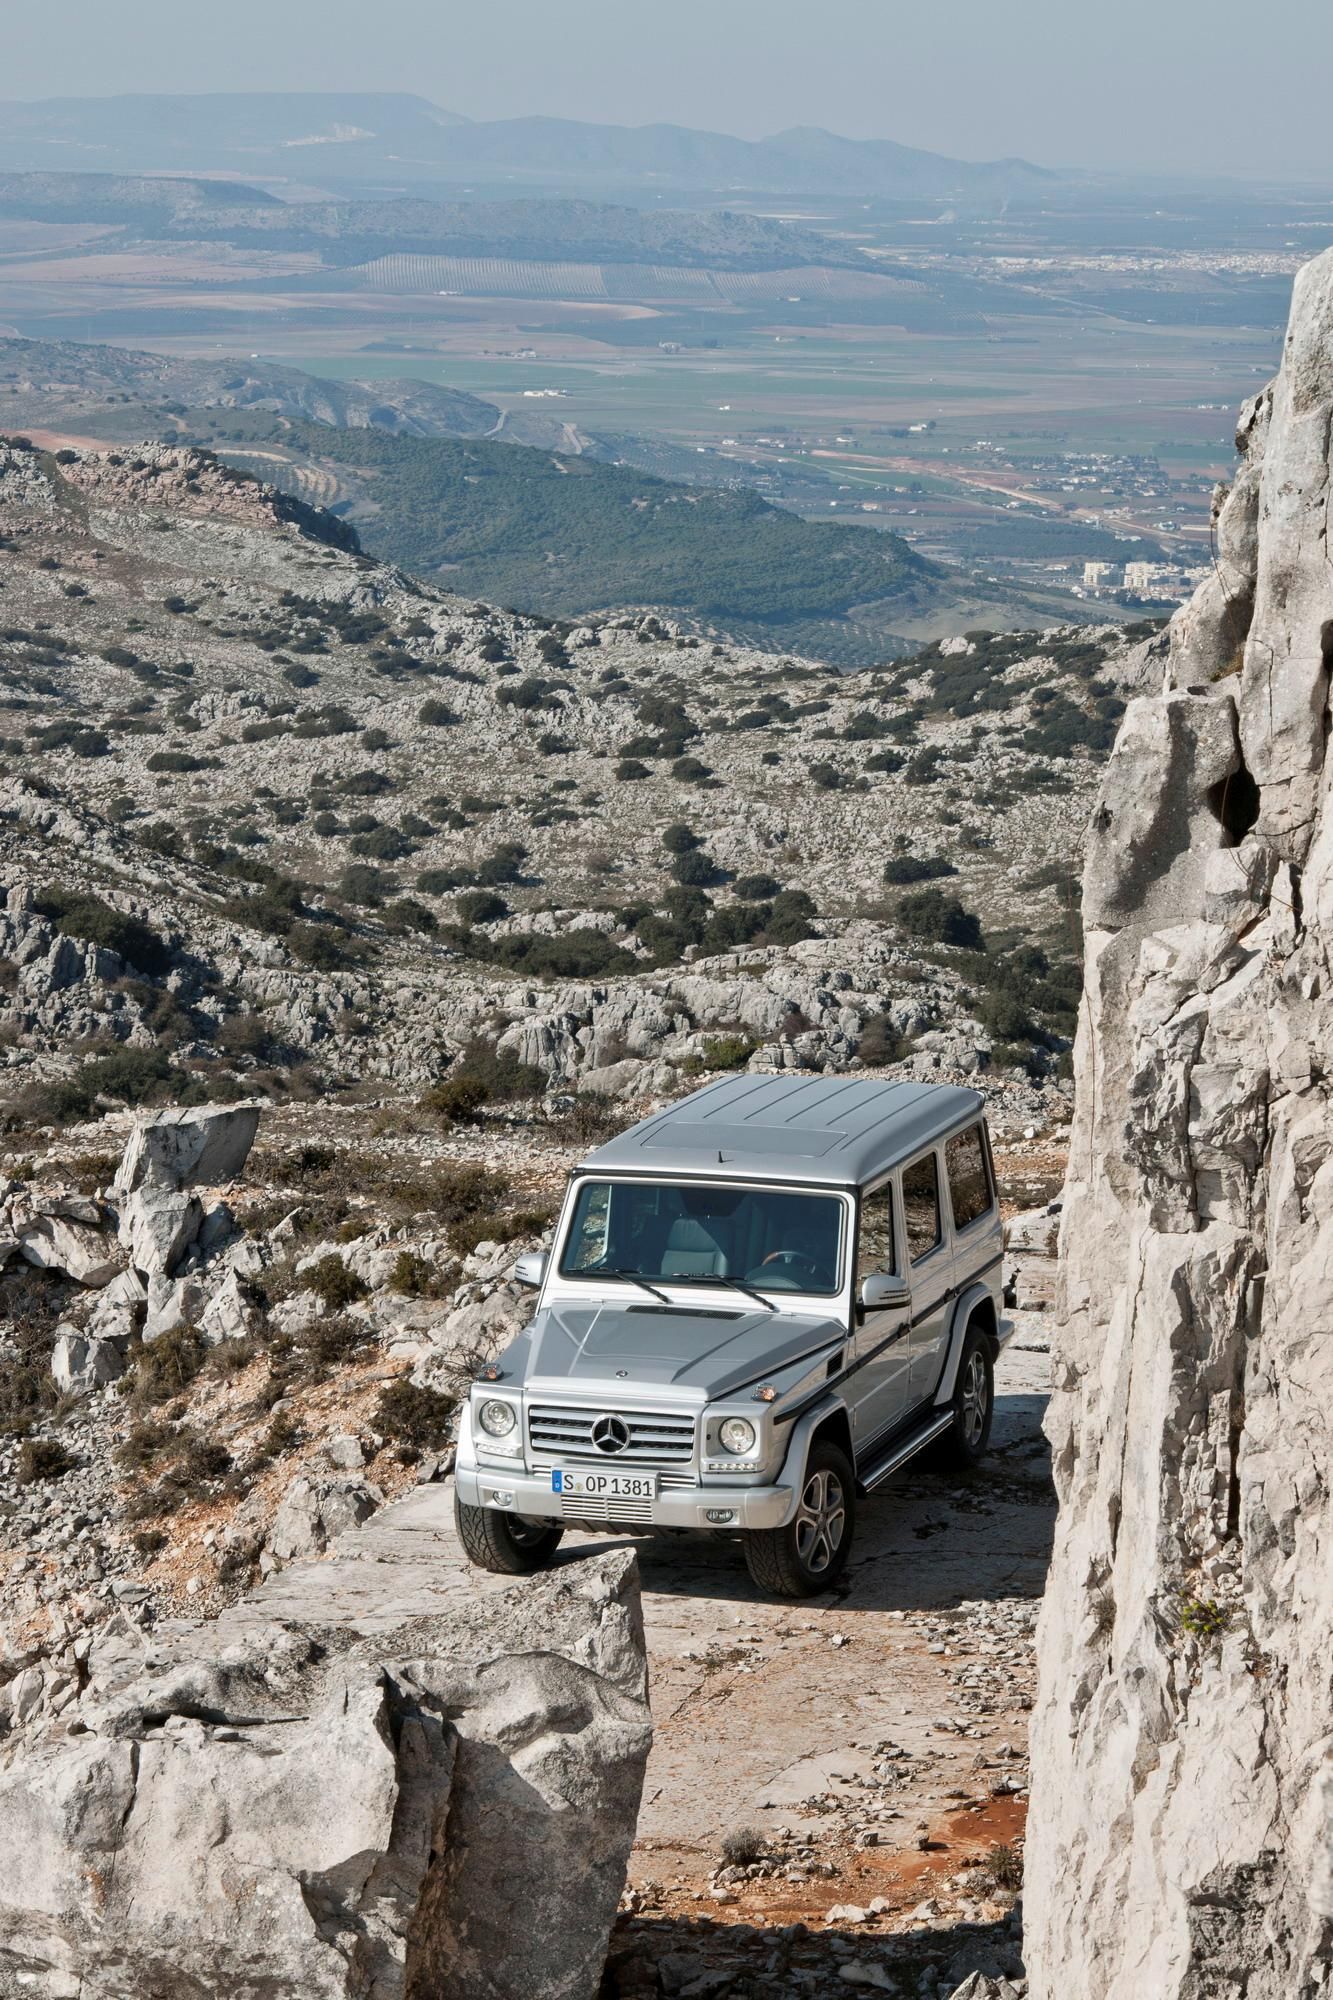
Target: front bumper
[(518, 1491)]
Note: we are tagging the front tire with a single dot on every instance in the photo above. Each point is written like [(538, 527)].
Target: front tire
[(505, 1544), (965, 1442), (810, 1553)]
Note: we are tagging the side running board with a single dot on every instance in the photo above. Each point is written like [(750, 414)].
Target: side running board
[(898, 1454)]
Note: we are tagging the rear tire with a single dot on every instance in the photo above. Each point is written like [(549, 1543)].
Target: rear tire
[(810, 1553), (505, 1544), (965, 1442)]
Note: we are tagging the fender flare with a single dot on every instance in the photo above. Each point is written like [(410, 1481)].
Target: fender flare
[(798, 1446), (968, 1300)]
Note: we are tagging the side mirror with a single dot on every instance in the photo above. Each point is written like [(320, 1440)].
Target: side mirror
[(530, 1269), (882, 1292)]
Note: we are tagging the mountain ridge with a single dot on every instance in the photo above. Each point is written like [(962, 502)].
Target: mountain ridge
[(356, 134)]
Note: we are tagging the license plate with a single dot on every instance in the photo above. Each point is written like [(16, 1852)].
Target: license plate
[(606, 1485)]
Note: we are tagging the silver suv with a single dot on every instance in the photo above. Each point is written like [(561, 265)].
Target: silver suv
[(760, 1304)]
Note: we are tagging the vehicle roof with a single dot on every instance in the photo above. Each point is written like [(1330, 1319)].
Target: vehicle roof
[(841, 1130)]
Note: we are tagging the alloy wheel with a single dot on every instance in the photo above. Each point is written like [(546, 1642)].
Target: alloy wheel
[(974, 1399), (821, 1521)]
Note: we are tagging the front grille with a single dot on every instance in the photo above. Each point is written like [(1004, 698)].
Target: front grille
[(558, 1434)]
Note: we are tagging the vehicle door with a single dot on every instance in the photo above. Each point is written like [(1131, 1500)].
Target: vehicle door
[(977, 1236), (930, 1263), (878, 1389)]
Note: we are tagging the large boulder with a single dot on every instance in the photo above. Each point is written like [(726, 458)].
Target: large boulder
[(1180, 1840), (303, 1813), (181, 1149)]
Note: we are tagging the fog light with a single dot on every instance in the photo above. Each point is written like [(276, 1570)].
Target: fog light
[(719, 1516), (501, 1499)]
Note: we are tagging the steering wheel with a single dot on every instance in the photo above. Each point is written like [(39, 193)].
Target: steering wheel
[(792, 1260)]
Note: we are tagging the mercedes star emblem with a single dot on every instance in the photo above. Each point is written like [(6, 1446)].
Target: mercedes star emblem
[(610, 1434)]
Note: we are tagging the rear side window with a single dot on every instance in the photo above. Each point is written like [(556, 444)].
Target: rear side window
[(875, 1251), (969, 1178), (921, 1207)]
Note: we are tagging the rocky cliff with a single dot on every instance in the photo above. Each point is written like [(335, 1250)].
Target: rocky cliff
[(1182, 1805)]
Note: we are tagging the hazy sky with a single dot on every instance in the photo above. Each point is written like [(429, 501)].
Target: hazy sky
[(1203, 85)]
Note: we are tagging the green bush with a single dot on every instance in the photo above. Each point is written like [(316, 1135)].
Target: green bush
[(694, 869), (938, 919), (900, 869), (334, 1282), (629, 770), (39, 1459), (414, 1416), (881, 1042), (131, 1076), (756, 888), (680, 839), (481, 906), (728, 1051), (436, 715), (81, 915)]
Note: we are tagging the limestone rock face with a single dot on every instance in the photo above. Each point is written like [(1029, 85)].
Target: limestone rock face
[(309, 1815), (1181, 1836), (193, 1148)]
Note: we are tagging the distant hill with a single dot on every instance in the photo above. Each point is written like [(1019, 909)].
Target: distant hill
[(400, 138), (567, 536), (65, 383), (351, 232)]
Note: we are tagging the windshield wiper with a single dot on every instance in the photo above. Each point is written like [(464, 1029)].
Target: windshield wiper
[(633, 1278), (732, 1284)]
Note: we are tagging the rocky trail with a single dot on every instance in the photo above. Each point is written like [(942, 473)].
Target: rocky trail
[(865, 1753)]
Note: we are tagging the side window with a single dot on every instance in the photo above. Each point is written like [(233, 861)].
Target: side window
[(921, 1207), (875, 1249), (969, 1180)]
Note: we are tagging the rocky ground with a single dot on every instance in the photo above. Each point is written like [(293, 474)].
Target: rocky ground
[(281, 815), (259, 801)]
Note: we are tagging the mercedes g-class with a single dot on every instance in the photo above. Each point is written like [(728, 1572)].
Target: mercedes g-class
[(760, 1303)]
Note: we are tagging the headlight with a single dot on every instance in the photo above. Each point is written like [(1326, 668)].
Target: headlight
[(498, 1419), (737, 1436)]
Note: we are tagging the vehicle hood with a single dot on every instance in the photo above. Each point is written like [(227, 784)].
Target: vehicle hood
[(711, 1353)]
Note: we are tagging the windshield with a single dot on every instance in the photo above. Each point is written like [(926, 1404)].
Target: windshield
[(684, 1233)]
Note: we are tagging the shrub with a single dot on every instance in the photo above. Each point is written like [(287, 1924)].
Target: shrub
[(163, 1368), (756, 888), (728, 1051), (690, 771), (694, 869), (81, 915), (383, 843), (826, 776), (414, 1416), (504, 865), (182, 761), (939, 919), (41, 1458), (680, 839), (885, 760), (334, 1282), (436, 714), (881, 1042), (365, 886), (742, 1847), (629, 770), (900, 869), (481, 906), (132, 1076), (1004, 1865), (459, 1100), (443, 881), (414, 1278)]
